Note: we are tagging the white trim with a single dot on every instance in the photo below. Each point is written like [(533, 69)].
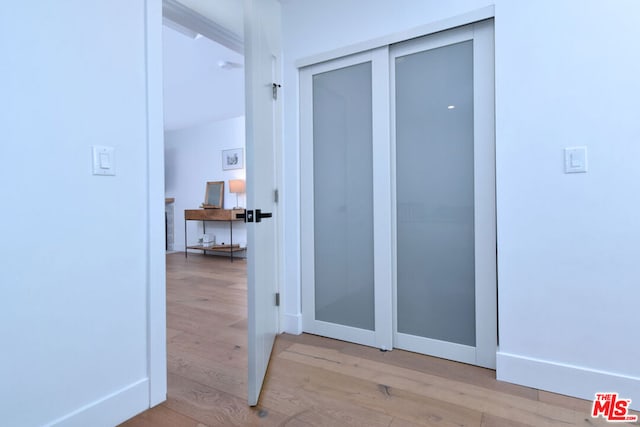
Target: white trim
[(394, 202), (565, 379), (279, 205), (432, 41), (307, 264), (110, 410), (342, 332), (191, 20), (156, 261), (485, 186), (433, 27), (437, 348), (382, 252), (292, 323)]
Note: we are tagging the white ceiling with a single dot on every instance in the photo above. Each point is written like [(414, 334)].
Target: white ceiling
[(196, 89), (226, 13)]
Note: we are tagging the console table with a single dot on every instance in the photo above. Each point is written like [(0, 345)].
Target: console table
[(204, 215)]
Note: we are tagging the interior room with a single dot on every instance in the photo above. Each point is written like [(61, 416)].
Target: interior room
[(551, 229), (203, 89)]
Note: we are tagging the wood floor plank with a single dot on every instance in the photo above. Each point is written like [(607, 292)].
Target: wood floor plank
[(214, 407), (318, 341), (441, 367), (161, 416), (209, 348), (197, 322), (565, 401), (204, 371), (493, 421), (347, 417), (172, 333)]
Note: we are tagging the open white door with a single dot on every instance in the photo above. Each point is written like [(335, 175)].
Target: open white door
[(262, 56)]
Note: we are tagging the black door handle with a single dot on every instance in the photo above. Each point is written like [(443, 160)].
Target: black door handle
[(247, 216), (260, 215)]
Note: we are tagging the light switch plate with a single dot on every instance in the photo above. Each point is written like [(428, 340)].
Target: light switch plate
[(575, 159), (104, 160)]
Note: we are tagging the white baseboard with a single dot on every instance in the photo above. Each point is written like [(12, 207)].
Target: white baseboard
[(111, 410), (565, 379), (292, 323)]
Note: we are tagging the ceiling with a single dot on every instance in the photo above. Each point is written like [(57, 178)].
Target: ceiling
[(197, 89), (226, 13)]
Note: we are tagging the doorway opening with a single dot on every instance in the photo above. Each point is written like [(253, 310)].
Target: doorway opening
[(203, 85), (203, 82)]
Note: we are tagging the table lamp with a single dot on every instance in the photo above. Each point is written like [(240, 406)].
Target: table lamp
[(237, 186)]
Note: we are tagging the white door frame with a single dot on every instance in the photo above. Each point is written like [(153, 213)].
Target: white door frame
[(156, 263)]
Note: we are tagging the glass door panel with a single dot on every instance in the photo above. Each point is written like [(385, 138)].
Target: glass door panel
[(343, 196), (435, 194)]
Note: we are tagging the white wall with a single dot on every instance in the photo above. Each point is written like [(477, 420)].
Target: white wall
[(75, 247), (568, 244), (566, 74), (193, 156), (196, 90)]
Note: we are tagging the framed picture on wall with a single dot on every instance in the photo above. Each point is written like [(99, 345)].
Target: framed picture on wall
[(233, 159)]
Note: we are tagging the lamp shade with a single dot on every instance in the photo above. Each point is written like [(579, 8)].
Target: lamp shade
[(236, 186)]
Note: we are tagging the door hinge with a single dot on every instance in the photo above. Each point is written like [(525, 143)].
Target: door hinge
[(275, 90), (275, 196), (277, 299)]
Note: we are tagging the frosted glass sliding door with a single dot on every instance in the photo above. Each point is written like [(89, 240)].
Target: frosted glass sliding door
[(340, 159), (444, 196), (434, 152), (343, 196), (397, 190)]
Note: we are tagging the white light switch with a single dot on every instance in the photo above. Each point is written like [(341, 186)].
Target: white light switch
[(103, 160), (575, 159)]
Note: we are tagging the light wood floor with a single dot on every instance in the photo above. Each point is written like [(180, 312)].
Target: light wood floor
[(314, 381)]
